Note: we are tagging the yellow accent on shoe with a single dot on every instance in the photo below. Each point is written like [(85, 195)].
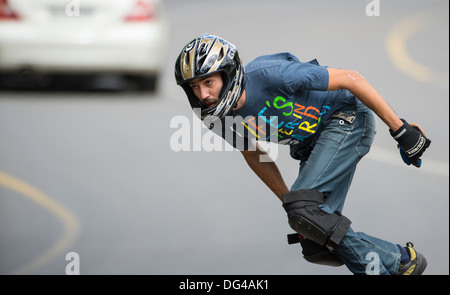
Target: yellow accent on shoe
[(410, 270)]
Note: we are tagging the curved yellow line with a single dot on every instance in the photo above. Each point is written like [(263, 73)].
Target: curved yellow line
[(396, 43), (71, 224)]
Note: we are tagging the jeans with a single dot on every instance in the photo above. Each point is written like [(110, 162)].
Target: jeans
[(330, 168)]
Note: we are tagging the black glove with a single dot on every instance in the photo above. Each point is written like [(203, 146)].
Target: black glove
[(411, 142)]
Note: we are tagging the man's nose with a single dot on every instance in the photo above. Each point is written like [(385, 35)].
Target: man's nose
[(204, 93)]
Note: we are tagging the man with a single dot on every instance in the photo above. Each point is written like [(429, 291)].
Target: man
[(325, 115)]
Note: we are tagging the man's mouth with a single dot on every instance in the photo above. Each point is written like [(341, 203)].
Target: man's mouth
[(209, 104)]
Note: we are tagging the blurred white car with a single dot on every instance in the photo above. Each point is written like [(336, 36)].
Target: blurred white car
[(126, 37)]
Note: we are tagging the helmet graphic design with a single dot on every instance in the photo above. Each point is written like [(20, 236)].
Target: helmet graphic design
[(206, 55)]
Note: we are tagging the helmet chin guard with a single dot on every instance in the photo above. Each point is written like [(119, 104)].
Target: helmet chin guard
[(203, 56)]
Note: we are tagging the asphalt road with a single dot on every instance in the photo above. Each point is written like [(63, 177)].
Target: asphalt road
[(94, 172)]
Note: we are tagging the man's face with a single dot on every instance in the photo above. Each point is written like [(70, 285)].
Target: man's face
[(207, 89)]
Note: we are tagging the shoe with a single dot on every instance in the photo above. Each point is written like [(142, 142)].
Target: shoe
[(416, 264)]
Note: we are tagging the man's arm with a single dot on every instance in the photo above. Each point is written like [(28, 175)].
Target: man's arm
[(267, 171), (411, 138), (365, 92)]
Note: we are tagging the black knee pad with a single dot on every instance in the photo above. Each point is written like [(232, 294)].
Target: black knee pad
[(307, 219), (314, 253)]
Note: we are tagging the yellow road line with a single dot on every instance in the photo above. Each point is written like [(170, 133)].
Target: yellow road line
[(396, 43), (71, 225)]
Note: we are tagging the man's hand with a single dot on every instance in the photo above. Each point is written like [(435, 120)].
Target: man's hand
[(411, 142)]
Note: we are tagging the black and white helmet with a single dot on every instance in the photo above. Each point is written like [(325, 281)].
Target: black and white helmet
[(206, 55)]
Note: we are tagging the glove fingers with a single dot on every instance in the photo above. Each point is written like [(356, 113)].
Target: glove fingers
[(417, 127), (404, 157), (417, 163)]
